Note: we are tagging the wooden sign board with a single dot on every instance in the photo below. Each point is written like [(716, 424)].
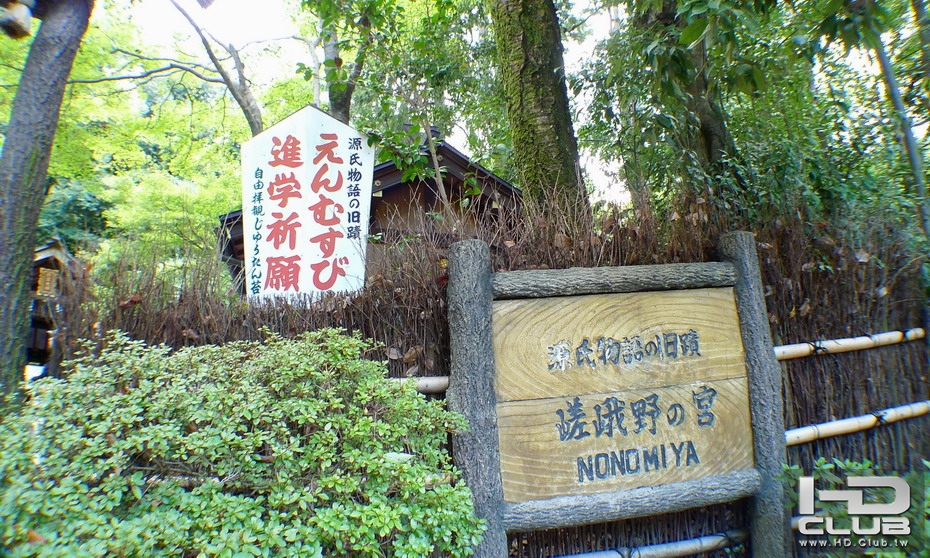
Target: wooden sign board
[(598, 394), (611, 392)]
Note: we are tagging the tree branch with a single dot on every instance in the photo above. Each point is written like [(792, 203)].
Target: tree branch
[(360, 58), (237, 63), (312, 45), (139, 56), (167, 70), (12, 67), (239, 93)]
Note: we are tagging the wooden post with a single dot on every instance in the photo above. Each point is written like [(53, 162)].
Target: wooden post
[(770, 522), (471, 387)]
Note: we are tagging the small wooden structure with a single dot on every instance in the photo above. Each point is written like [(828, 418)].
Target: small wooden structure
[(412, 208), (51, 265)]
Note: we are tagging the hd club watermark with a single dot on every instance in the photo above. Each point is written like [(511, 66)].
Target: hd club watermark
[(874, 518)]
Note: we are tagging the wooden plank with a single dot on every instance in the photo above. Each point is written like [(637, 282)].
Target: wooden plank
[(623, 440), (566, 511), (625, 279), (587, 344)]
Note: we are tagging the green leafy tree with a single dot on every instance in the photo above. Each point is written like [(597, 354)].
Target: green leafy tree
[(348, 31), (692, 52), (861, 23), (74, 215), (805, 138), (402, 69), (237, 86)]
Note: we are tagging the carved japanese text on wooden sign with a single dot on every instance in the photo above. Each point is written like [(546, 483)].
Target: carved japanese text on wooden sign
[(608, 392)]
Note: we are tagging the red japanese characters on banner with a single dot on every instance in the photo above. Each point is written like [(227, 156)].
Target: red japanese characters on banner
[(285, 153), (282, 273), (306, 240), (283, 188), (327, 213)]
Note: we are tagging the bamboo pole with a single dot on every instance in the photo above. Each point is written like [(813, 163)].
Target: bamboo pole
[(813, 432), (799, 350), (672, 549), (793, 437), (429, 384), (433, 384)]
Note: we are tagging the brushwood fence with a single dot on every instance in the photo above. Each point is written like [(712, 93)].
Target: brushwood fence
[(864, 279)]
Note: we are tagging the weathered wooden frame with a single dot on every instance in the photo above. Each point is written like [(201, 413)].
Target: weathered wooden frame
[(471, 290)]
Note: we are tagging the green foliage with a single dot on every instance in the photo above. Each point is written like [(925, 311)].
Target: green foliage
[(425, 63), (831, 475), (810, 140), (74, 215), (279, 448), (154, 161), (283, 98), (855, 24)]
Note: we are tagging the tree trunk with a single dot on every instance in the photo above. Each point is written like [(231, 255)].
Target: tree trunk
[(242, 92), (914, 157), (714, 142), (23, 167), (529, 48), (340, 92)]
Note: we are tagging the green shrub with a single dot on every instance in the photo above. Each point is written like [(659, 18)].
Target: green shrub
[(279, 448)]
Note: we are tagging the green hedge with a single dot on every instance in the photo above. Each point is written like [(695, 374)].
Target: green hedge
[(281, 448)]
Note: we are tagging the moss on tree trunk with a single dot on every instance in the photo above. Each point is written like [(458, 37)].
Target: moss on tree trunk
[(529, 44)]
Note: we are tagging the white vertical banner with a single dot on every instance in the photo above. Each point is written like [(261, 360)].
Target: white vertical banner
[(306, 200)]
